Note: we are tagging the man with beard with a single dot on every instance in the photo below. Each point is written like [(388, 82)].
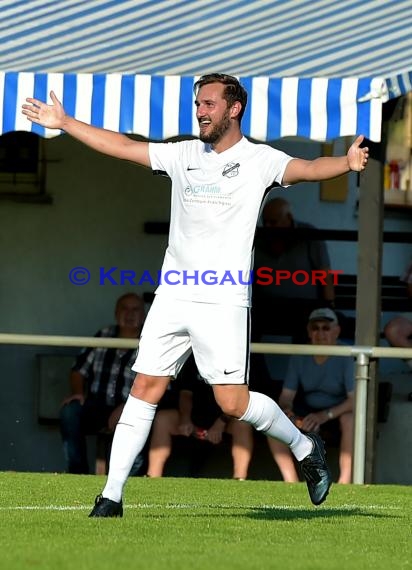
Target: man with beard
[(202, 304)]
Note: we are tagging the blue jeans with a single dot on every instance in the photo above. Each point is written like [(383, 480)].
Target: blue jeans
[(77, 421)]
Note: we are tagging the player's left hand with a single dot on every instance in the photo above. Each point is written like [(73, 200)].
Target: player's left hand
[(357, 156)]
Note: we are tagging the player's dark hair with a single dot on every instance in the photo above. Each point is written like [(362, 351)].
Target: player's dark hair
[(233, 91)]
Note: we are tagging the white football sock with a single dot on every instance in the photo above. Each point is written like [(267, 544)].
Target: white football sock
[(266, 416), (129, 438)]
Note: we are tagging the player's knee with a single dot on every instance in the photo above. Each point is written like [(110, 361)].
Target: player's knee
[(149, 388), (232, 408), (233, 400)]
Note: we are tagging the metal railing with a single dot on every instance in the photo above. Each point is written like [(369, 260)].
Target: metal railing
[(362, 354)]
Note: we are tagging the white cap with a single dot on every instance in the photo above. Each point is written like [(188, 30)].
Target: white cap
[(325, 314)]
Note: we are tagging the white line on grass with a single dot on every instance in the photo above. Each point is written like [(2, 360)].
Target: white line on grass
[(344, 507)]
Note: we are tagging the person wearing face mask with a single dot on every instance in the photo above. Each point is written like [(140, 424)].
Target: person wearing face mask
[(318, 391)]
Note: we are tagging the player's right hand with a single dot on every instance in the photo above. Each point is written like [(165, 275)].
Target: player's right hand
[(50, 116)]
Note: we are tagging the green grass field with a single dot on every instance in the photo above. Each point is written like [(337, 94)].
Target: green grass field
[(201, 524)]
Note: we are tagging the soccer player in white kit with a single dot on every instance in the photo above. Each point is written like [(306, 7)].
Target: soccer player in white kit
[(202, 304)]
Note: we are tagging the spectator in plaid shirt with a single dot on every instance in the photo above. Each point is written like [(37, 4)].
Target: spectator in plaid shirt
[(100, 382)]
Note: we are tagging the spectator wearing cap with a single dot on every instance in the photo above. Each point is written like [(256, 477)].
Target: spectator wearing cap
[(318, 391)]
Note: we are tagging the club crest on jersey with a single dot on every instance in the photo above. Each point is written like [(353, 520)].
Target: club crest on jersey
[(231, 169)]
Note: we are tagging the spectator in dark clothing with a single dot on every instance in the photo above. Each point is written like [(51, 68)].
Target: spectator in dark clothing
[(288, 301)]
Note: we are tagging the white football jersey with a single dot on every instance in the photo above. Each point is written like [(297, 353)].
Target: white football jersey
[(215, 203)]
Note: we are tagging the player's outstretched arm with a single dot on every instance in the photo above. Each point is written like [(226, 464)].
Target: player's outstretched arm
[(105, 141), (326, 167)]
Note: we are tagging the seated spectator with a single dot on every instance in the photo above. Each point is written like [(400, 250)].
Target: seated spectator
[(100, 382), (198, 416), (318, 391), (398, 331), (286, 250), (282, 309), (189, 407)]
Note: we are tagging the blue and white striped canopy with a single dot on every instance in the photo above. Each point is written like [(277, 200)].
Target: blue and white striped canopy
[(318, 69)]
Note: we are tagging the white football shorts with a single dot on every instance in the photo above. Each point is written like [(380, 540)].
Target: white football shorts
[(218, 335)]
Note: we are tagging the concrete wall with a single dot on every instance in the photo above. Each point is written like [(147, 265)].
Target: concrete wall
[(95, 220), (96, 217)]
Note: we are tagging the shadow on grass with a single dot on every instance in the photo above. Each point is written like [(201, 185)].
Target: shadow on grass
[(266, 513), (282, 514)]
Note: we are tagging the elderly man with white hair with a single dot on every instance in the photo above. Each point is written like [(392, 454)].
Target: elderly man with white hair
[(318, 391)]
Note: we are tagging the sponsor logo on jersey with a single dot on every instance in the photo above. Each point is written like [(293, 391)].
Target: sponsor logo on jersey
[(202, 189), (231, 169)]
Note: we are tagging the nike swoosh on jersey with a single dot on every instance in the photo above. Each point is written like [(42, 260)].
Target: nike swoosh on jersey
[(226, 372), (190, 168)]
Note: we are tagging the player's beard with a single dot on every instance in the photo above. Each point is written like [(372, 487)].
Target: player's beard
[(217, 131)]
